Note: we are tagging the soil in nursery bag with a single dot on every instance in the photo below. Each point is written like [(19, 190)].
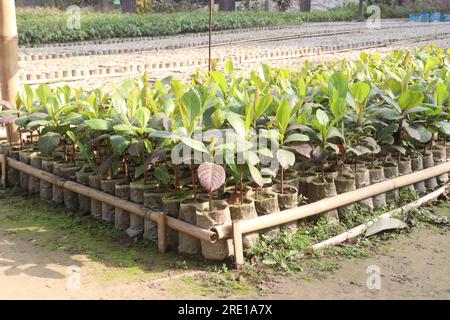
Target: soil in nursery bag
[(266, 202), (440, 156), (234, 191), (344, 184), (171, 207), (208, 218), (122, 217), (362, 180), (57, 192), (287, 200), (290, 179), (35, 183), (95, 182), (322, 190), (390, 172), (84, 203), (25, 157), (46, 189), (404, 168), (137, 190), (188, 211), (417, 165), (428, 162), (305, 184), (108, 186), (70, 197), (153, 198), (377, 175), (243, 211)]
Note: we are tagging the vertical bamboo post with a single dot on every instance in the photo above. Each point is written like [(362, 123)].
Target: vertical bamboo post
[(9, 66), (211, 9), (3, 166), (238, 247), (162, 229)]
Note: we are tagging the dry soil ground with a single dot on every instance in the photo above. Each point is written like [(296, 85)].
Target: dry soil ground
[(44, 251)]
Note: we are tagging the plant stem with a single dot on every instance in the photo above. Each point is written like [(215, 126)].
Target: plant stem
[(282, 181), (210, 201), (175, 176), (241, 183), (194, 186), (127, 177)]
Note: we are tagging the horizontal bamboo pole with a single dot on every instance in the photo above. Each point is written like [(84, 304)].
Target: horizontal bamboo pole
[(356, 231), (192, 230), (286, 216)]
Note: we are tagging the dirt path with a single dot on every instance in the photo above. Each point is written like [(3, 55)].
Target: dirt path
[(413, 266), (47, 254)]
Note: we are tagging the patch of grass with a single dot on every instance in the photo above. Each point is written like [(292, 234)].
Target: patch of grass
[(224, 282), (52, 228), (38, 26)]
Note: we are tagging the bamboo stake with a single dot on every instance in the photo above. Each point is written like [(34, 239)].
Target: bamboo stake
[(211, 9), (356, 231), (133, 208), (290, 215), (162, 227), (238, 247), (9, 66)]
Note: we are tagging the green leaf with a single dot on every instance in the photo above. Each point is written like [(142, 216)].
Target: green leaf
[(71, 136), (48, 142), (229, 66), (283, 115), (43, 92), (443, 126), (286, 158), (194, 144), (191, 101), (119, 144), (413, 133), (410, 99), (236, 122), (262, 105), (162, 175), (360, 91), (256, 175), (322, 117), (97, 124), (221, 80), (297, 137), (442, 93), (142, 117)]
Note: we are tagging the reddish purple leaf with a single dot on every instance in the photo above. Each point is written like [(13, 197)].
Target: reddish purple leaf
[(157, 156), (304, 149), (8, 119), (211, 176)]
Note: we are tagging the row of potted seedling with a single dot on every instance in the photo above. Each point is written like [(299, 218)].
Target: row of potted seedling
[(225, 146)]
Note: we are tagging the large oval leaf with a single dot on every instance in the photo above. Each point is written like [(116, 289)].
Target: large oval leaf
[(194, 144), (297, 137), (48, 142), (97, 124), (286, 158), (211, 176), (119, 144)]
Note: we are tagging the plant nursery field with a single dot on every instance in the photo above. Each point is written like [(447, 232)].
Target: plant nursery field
[(303, 160)]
